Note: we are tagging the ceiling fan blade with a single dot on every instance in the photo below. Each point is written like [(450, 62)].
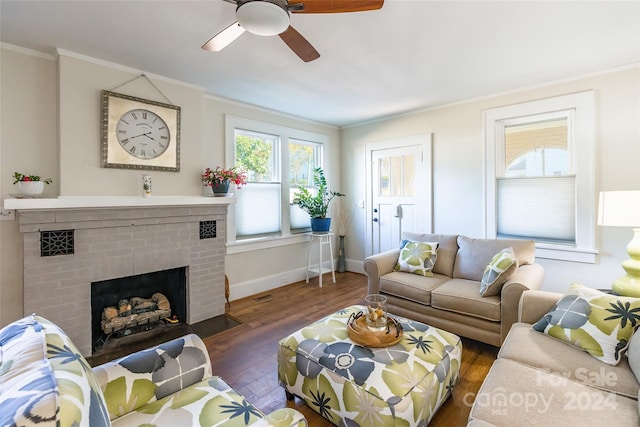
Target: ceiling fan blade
[(335, 6), (299, 45), (223, 38)]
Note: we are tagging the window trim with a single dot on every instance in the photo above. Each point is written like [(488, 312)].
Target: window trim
[(582, 146), (284, 133)]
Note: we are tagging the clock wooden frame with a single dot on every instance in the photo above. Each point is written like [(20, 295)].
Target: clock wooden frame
[(114, 106)]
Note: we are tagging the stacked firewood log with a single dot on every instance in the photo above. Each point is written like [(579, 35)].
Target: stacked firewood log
[(135, 311)]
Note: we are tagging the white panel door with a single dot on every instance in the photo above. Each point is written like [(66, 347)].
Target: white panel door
[(399, 183)]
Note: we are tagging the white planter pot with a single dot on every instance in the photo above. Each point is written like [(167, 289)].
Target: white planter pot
[(31, 188)]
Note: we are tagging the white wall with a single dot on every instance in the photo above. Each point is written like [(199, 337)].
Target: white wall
[(458, 150), (50, 125), (80, 82)]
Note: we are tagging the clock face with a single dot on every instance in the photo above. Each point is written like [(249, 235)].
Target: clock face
[(143, 134)]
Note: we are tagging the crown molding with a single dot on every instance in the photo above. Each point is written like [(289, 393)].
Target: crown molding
[(26, 51), (120, 67)]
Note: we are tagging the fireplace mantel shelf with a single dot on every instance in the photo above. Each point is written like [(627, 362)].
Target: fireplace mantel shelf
[(112, 202)]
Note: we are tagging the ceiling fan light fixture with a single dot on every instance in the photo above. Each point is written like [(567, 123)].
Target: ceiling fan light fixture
[(263, 18)]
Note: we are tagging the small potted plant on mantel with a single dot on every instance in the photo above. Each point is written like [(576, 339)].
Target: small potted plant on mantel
[(30, 185), (219, 179), (317, 205)]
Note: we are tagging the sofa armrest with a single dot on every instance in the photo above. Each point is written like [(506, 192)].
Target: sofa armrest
[(526, 277), (282, 417), (149, 375), (535, 304), (378, 265)]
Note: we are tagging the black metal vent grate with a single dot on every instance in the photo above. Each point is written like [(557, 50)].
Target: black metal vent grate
[(59, 242), (207, 230)]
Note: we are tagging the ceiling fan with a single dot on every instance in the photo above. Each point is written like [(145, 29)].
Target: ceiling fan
[(271, 17)]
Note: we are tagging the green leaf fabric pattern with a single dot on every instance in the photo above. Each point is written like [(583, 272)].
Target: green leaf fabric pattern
[(402, 378), (323, 397), (326, 332), (417, 258), (349, 385), (370, 410), (120, 401), (598, 323), (284, 417), (79, 390), (47, 383), (187, 396), (287, 370)]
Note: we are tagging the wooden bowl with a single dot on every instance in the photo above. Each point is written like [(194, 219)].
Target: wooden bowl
[(360, 334)]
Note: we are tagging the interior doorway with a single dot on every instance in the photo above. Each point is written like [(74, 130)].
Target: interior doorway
[(399, 190)]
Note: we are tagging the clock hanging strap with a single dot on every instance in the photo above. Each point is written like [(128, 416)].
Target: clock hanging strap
[(143, 75)]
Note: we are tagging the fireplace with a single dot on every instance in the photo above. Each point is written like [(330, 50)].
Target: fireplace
[(108, 294), (69, 247)]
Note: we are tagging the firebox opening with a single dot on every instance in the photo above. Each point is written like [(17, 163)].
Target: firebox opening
[(107, 293)]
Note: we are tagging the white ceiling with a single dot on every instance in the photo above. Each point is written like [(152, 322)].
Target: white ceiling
[(410, 55)]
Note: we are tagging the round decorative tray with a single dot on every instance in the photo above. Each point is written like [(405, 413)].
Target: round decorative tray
[(360, 334)]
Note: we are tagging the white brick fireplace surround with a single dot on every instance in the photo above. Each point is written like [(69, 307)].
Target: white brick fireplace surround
[(115, 237)]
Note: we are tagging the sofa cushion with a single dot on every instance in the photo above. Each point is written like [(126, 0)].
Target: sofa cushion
[(410, 286), (526, 346), (474, 255), (598, 323), (463, 296), (210, 402), (447, 249), (499, 270), (44, 377), (516, 395), (417, 257)]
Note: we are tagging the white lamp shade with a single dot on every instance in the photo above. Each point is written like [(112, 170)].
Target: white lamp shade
[(262, 18), (619, 208)]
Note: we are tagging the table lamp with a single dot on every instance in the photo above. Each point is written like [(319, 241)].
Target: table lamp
[(622, 209)]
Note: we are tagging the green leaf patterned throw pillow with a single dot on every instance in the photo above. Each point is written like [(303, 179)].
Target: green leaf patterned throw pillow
[(498, 271), (417, 258), (598, 323)]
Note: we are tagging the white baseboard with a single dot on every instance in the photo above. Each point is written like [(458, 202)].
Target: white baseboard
[(266, 283), (355, 266)]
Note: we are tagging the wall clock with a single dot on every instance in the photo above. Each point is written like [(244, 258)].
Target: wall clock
[(139, 134)]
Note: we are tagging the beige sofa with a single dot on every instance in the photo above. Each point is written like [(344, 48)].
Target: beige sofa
[(539, 380), (451, 299)]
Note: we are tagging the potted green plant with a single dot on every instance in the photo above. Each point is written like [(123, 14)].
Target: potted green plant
[(317, 205), (30, 185)]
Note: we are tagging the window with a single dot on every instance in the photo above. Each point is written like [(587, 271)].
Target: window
[(258, 204), (539, 175), (278, 161), (304, 156)]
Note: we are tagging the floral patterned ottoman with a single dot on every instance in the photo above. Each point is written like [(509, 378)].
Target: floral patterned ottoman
[(351, 385)]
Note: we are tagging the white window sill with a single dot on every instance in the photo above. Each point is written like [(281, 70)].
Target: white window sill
[(566, 253), (241, 246)]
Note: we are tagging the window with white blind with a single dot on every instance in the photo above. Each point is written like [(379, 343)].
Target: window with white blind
[(278, 161), (540, 175)]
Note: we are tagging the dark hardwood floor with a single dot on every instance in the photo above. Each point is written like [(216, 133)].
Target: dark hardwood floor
[(245, 355)]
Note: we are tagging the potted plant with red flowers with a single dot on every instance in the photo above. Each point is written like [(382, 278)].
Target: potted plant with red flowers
[(30, 185), (219, 179)]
